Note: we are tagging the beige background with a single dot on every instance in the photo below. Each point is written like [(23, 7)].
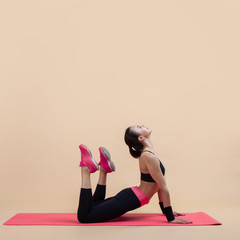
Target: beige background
[(77, 72)]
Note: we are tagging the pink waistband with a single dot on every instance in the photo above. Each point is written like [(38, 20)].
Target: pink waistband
[(140, 195)]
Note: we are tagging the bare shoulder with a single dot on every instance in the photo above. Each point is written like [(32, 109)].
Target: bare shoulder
[(148, 158)]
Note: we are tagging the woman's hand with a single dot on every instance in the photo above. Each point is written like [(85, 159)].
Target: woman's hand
[(176, 214), (180, 220)]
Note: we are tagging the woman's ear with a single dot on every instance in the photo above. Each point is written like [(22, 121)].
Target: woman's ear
[(140, 138)]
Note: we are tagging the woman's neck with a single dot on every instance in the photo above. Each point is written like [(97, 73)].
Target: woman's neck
[(147, 145)]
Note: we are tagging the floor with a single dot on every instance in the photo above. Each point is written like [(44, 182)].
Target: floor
[(229, 230)]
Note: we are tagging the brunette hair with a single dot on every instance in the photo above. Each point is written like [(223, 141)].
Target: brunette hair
[(131, 139)]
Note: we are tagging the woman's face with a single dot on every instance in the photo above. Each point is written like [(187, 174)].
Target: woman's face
[(142, 130)]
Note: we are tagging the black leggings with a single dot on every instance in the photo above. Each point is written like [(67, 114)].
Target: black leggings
[(96, 208)]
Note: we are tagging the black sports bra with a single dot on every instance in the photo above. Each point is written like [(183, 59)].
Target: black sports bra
[(146, 176)]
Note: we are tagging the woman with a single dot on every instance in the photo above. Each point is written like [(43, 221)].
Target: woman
[(98, 209)]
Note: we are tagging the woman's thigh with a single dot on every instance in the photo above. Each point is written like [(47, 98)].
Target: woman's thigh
[(105, 211), (113, 207)]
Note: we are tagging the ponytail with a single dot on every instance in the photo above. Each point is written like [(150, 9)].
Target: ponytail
[(131, 139), (134, 153)]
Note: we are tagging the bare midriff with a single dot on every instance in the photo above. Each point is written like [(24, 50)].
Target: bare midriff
[(149, 188)]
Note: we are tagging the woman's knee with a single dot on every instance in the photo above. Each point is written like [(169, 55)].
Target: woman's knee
[(83, 219)]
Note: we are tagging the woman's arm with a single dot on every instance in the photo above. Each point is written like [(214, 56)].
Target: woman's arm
[(165, 196), (159, 196), (159, 191), (153, 166), (160, 201)]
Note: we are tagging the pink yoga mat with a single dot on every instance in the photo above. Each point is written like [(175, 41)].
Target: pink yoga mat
[(128, 219)]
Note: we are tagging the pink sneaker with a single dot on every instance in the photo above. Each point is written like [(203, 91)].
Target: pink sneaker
[(105, 160), (87, 159)]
